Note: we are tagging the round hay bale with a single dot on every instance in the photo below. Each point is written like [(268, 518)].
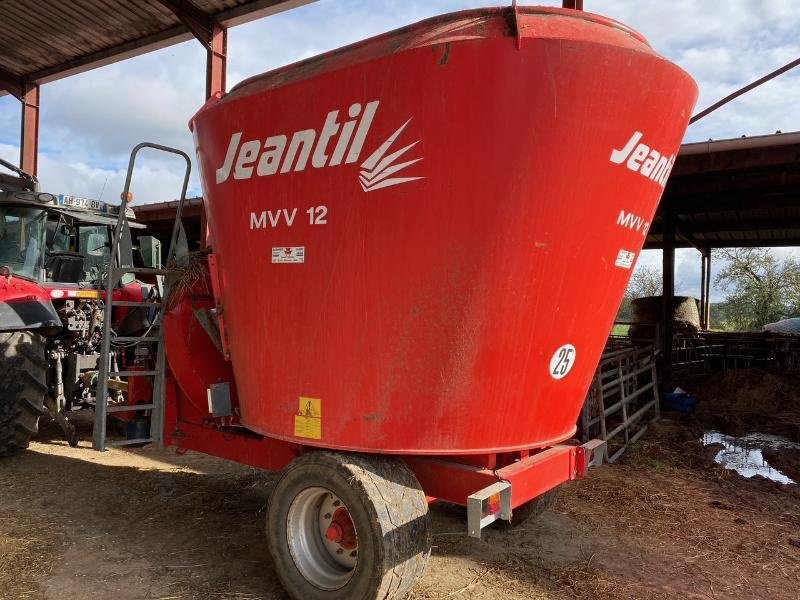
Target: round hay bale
[(786, 327), (648, 312)]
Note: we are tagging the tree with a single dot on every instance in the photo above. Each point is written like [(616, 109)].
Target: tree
[(645, 281), (760, 287)]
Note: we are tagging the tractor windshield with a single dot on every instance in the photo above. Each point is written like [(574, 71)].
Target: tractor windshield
[(22, 236), (94, 244)]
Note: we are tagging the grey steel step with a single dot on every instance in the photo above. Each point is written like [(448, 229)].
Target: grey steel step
[(119, 271), (132, 303), (133, 374), (130, 442), (125, 408), (140, 339)]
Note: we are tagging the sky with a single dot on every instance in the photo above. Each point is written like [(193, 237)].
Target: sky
[(90, 122)]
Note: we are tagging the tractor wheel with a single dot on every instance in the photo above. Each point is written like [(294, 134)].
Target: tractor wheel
[(23, 385), (530, 511), (348, 526)]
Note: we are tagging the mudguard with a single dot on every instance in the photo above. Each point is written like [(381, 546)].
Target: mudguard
[(26, 305), (28, 314)]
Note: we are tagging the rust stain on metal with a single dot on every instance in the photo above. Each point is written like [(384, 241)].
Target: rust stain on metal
[(445, 54)]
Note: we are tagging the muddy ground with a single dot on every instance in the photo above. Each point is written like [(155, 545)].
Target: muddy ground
[(666, 522)]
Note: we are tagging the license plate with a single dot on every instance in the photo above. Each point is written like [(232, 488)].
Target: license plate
[(81, 202)]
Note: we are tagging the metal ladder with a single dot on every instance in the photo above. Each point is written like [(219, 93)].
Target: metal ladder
[(152, 337)]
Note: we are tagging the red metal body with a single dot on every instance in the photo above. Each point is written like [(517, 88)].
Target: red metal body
[(468, 207), (16, 289), (420, 244)]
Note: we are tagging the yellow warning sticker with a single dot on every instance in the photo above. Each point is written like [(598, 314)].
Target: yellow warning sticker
[(308, 421), (87, 294)]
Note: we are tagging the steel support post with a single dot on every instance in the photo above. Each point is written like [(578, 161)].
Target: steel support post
[(573, 4), (216, 73), (707, 284), (29, 129), (703, 325), (668, 266), (217, 61)]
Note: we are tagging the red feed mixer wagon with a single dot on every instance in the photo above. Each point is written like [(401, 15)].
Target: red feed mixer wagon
[(418, 245), (417, 257)]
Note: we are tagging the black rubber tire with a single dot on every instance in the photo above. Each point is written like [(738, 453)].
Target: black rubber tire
[(530, 511), (23, 385), (390, 514)]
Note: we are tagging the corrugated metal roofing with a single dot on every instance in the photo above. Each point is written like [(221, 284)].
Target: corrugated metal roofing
[(739, 192), (43, 40)]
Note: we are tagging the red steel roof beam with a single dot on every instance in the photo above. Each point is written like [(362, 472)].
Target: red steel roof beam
[(29, 130), (211, 34), (217, 61), (197, 21), (11, 84)]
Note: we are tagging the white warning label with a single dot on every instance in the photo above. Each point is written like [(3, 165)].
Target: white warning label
[(625, 259), (289, 254)]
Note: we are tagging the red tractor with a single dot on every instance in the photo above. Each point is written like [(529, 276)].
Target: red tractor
[(54, 256)]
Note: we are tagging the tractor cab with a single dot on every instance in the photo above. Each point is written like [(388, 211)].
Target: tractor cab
[(55, 240)]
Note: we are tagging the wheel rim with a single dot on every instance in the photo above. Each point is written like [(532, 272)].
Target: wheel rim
[(322, 538)]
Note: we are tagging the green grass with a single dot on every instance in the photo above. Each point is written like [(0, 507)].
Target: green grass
[(620, 329)]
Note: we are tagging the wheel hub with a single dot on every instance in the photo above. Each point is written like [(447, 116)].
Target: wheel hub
[(322, 538), (341, 530)]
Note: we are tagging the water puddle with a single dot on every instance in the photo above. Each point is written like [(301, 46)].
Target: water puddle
[(745, 454)]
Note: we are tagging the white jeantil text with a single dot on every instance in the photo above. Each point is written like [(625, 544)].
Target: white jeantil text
[(282, 153), (641, 158)]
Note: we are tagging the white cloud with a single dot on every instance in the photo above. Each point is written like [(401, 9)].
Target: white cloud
[(153, 181), (725, 45), (322, 26)]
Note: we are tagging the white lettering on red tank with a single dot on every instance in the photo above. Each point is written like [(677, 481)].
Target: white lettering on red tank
[(641, 158), (259, 221), (335, 144), (633, 222)]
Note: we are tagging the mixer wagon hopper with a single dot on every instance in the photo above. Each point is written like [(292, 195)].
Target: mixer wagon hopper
[(415, 258)]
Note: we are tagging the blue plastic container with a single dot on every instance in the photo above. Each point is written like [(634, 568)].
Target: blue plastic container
[(679, 402)]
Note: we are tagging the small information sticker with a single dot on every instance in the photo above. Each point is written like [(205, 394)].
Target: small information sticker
[(624, 260), (308, 420), (289, 254)]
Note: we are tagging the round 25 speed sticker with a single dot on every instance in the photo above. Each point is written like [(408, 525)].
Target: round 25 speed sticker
[(562, 362)]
